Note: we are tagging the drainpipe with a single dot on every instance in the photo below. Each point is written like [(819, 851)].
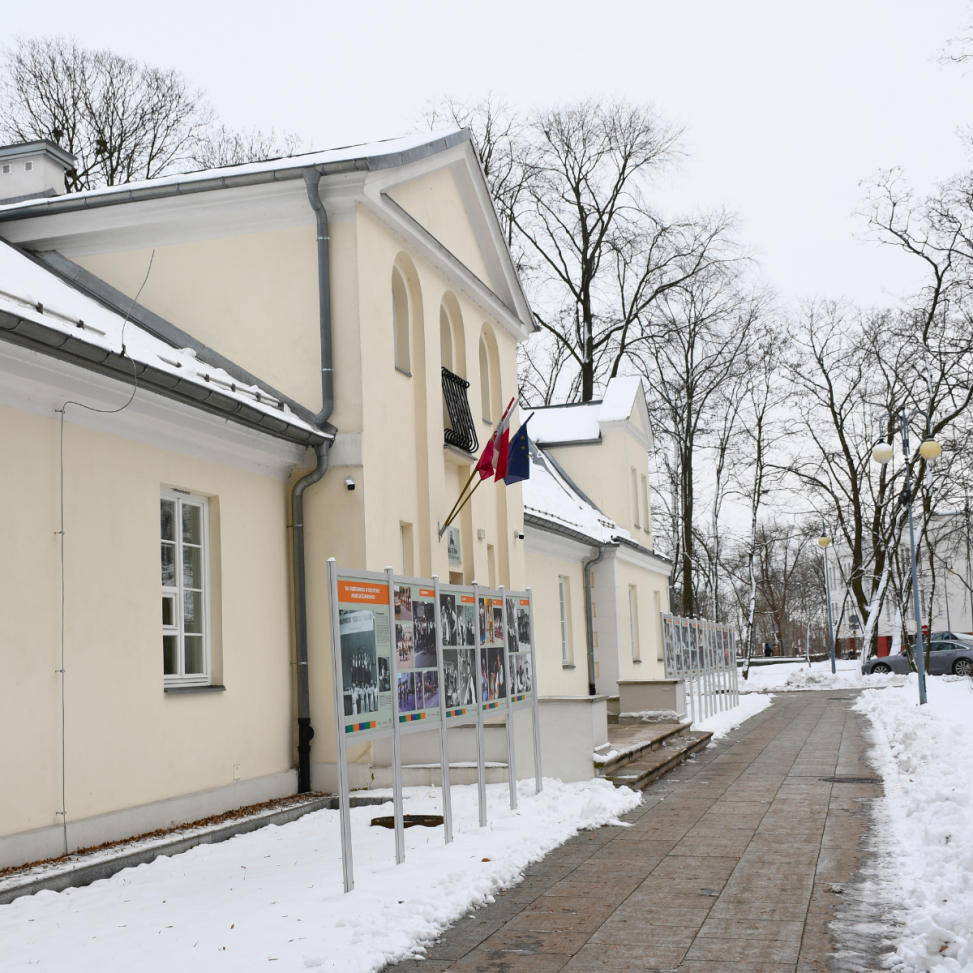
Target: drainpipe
[(305, 732), (588, 622)]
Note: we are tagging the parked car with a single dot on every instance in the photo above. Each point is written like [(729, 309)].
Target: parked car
[(951, 655)]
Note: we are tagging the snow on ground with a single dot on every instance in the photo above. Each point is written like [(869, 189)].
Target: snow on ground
[(925, 819), (721, 723), (792, 677), (275, 895)]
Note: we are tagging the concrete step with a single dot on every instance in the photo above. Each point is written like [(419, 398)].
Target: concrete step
[(630, 742), (660, 760)]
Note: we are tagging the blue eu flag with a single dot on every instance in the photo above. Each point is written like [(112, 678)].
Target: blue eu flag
[(518, 462)]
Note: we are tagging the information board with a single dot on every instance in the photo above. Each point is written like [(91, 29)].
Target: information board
[(521, 660), (458, 625), (493, 664), (366, 654), (416, 658)]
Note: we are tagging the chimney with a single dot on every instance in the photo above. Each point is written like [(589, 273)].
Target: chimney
[(32, 170)]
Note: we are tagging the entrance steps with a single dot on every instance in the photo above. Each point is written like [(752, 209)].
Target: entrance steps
[(639, 753)]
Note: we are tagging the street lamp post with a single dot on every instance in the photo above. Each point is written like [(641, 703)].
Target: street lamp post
[(825, 541), (929, 449)]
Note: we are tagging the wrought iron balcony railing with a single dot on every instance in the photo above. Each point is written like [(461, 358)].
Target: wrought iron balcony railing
[(459, 431)]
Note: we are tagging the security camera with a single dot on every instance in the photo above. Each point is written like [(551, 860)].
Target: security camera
[(349, 483), (518, 535)]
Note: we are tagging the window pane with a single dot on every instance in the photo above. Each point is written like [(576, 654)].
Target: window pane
[(192, 614), (191, 524), (169, 610), (170, 649), (194, 655), (168, 520), (192, 575), (168, 565)]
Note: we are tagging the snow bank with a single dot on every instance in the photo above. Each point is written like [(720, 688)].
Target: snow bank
[(275, 894), (793, 677), (925, 819), (721, 723)]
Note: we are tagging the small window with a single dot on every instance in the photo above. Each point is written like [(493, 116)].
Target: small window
[(185, 589), (6, 169), (400, 322), (486, 411), (635, 497), (28, 166), (633, 622), (646, 519), (564, 600)]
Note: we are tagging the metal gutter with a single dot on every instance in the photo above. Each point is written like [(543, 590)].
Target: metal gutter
[(113, 299), (53, 342), (293, 169)]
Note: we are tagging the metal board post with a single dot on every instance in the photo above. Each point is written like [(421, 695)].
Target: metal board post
[(480, 755), (535, 709), (396, 743), (443, 736), (509, 719), (341, 755)]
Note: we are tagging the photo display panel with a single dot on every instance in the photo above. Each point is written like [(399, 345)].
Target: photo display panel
[(415, 656), (521, 675), (493, 668), (457, 619), (366, 654)]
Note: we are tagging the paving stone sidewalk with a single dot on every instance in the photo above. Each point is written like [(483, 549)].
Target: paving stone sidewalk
[(735, 863)]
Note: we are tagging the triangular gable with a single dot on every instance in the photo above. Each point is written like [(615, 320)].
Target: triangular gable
[(624, 403), (435, 203)]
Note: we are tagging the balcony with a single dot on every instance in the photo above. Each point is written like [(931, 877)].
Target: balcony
[(459, 429)]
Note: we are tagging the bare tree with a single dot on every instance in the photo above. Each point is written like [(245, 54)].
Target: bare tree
[(225, 147), (122, 120)]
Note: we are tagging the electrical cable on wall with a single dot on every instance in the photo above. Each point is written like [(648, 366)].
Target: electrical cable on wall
[(63, 813)]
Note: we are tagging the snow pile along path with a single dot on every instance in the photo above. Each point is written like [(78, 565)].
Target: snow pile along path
[(721, 723), (796, 677), (925, 820), (275, 895)]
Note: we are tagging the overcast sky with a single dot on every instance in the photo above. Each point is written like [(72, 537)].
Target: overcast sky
[(787, 106)]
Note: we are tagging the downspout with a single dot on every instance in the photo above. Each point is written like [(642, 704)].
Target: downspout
[(588, 620), (305, 732)]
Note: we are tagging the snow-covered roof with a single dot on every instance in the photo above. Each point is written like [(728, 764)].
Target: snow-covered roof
[(581, 422), (48, 313), (549, 495), (368, 155)]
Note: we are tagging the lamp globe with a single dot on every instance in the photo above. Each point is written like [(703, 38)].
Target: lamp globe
[(824, 541), (883, 452), (929, 449)]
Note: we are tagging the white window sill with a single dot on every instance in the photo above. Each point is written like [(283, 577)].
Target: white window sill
[(567, 665), (186, 690), (637, 661)]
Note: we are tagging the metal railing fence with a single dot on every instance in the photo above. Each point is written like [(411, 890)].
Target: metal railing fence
[(703, 654)]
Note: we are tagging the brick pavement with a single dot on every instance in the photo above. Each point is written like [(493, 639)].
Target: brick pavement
[(734, 864)]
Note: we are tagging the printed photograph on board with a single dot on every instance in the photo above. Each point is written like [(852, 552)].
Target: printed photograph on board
[(511, 619), (484, 676), (424, 628), (359, 667), (384, 675), (430, 689), (523, 626), (449, 619), (407, 692), (498, 685), (403, 603), (459, 677), (489, 620), (497, 623), (467, 625), (520, 676), (404, 647), (483, 616)]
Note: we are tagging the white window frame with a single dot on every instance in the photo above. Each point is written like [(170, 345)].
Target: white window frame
[(633, 622), (180, 678), (563, 597)]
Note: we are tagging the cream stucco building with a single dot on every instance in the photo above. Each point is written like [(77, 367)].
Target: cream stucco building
[(210, 384)]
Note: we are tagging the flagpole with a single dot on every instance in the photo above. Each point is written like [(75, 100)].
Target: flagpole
[(453, 516), (460, 497)]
